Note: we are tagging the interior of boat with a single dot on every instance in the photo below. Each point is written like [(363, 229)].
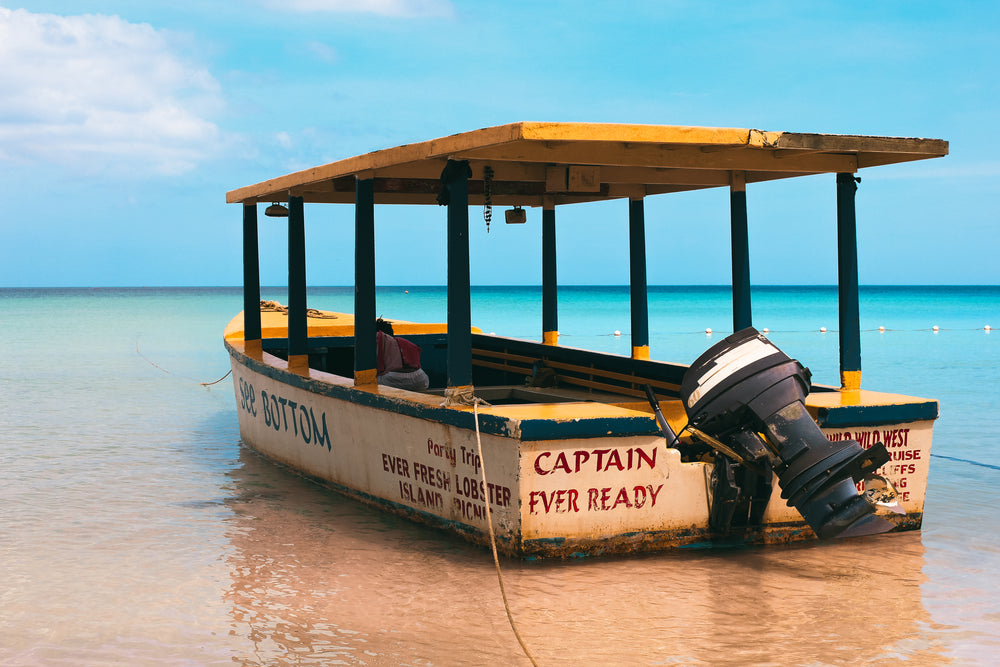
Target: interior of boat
[(508, 371)]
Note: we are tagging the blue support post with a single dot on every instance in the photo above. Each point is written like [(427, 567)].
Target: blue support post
[(550, 302), (298, 332), (740, 237), (847, 281), (637, 279), (365, 355), (455, 181), (251, 280)]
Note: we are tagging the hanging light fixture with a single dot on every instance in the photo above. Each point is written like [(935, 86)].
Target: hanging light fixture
[(515, 216), (276, 210)]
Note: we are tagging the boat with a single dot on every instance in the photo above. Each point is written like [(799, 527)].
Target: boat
[(545, 450)]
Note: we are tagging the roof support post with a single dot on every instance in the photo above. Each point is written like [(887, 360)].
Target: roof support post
[(251, 282), (365, 355), (847, 281), (740, 237), (637, 278), (550, 301), (455, 179), (298, 332)]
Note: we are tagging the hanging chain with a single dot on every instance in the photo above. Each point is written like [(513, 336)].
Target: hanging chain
[(487, 196)]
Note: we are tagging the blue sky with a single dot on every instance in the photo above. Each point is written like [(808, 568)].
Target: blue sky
[(123, 124)]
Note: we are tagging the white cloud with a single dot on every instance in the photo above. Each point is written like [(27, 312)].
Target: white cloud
[(323, 51), (397, 8), (97, 92)]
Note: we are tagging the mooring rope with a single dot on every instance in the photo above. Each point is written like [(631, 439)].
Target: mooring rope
[(207, 384), (151, 363), (493, 538), (275, 307), (148, 359)]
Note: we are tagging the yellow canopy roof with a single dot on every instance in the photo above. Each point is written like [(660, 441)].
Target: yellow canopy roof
[(559, 163)]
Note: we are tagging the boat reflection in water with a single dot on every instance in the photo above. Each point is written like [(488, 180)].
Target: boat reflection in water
[(320, 579)]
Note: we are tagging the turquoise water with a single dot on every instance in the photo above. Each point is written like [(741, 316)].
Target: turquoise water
[(134, 528)]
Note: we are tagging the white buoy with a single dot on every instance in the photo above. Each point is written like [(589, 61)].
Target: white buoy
[(935, 328), (708, 331), (822, 329), (881, 329), (986, 328), (765, 330), (617, 332)]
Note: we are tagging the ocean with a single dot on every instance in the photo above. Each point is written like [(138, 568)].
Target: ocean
[(136, 530)]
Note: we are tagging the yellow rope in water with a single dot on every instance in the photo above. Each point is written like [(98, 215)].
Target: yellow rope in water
[(493, 539)]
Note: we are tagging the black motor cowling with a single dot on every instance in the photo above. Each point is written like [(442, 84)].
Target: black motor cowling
[(746, 398)]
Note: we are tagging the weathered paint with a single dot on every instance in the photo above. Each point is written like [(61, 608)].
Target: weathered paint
[(655, 158), (559, 495), (850, 380), (545, 164)]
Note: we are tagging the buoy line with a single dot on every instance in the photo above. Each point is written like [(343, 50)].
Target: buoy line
[(493, 538), (969, 461), (708, 330)]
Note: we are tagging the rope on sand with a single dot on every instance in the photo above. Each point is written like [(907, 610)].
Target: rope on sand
[(493, 539)]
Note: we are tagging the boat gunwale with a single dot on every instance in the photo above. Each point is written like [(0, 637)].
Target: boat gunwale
[(894, 408)]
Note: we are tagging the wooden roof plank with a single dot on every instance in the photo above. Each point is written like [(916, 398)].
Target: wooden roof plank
[(656, 158)]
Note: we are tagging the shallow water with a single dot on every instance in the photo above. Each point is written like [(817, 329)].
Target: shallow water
[(135, 529)]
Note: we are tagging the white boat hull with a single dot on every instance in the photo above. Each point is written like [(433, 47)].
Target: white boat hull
[(548, 497)]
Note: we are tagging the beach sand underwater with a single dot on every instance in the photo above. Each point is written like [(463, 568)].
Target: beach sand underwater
[(136, 529)]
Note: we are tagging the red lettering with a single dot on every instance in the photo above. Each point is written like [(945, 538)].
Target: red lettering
[(622, 497), (631, 458), (639, 502), (396, 464), (532, 501), (560, 498), (614, 459), (561, 463), (643, 456), (561, 501), (600, 456), (573, 496)]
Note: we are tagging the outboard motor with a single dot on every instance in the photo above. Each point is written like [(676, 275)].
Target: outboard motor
[(745, 397)]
